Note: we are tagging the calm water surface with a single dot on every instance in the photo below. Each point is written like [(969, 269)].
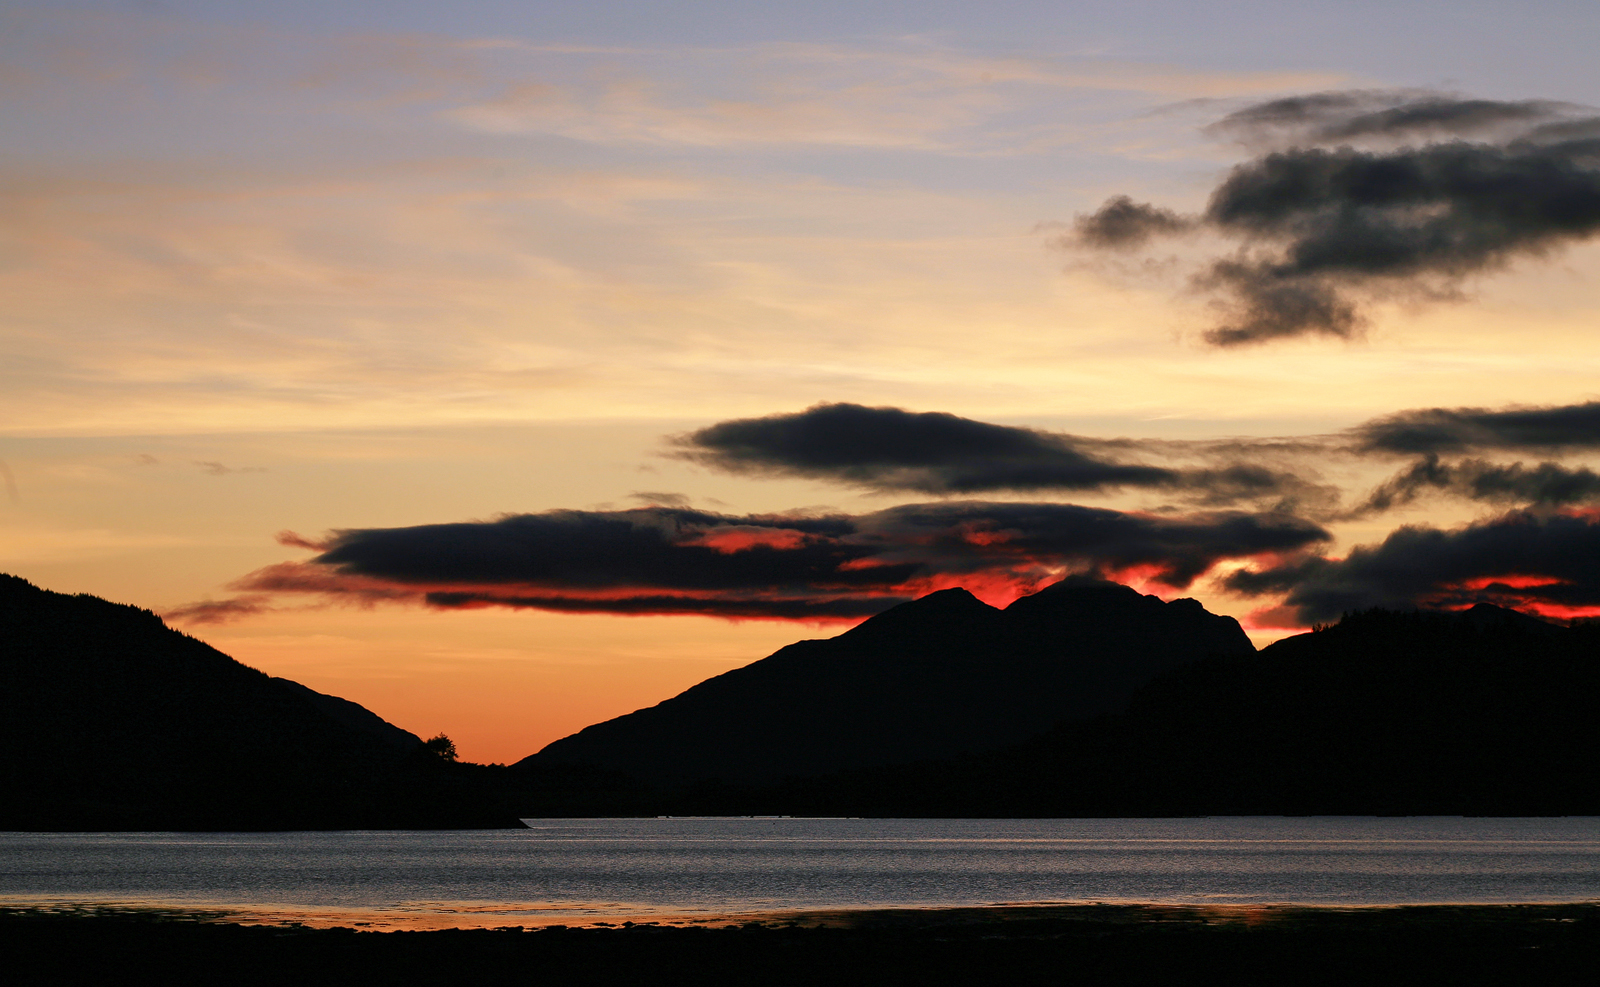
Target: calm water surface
[(576, 871)]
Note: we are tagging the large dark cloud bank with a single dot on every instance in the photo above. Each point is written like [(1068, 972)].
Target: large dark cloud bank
[(1542, 552), (661, 560)]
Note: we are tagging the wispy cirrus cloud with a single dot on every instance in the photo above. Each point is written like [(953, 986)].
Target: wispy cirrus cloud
[(909, 96), (220, 611), (637, 111)]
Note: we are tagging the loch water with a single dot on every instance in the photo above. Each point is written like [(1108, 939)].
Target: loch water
[(577, 871)]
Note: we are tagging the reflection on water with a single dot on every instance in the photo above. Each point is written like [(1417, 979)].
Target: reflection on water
[(585, 871)]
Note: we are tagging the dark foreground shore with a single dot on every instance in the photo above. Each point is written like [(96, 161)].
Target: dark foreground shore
[(1092, 944)]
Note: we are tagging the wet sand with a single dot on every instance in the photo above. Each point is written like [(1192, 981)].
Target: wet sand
[(1054, 944)]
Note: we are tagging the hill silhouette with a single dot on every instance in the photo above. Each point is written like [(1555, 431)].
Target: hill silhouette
[(111, 720), (941, 676), (1086, 699), (1482, 712)]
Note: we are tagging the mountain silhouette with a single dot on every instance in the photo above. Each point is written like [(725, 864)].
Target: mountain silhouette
[(111, 720), (943, 675), (1482, 712)]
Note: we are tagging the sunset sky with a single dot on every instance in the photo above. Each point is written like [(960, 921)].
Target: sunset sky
[(506, 367)]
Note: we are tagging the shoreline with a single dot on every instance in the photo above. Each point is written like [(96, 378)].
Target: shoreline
[(1090, 944), (579, 916)]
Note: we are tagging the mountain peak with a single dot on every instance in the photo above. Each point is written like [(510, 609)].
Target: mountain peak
[(1088, 599), (939, 612), (1083, 581), (941, 675), (954, 600)]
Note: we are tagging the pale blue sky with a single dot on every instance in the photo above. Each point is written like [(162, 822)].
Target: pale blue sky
[(1481, 44)]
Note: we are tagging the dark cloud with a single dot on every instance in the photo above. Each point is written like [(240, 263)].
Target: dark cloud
[(1331, 117), (1263, 308), (1432, 434), (728, 607), (1122, 222), (1318, 229), (1439, 116), (660, 547), (662, 560), (889, 449), (1416, 217), (1549, 484), (1540, 561), (892, 449), (1566, 130), (1174, 550), (1454, 430)]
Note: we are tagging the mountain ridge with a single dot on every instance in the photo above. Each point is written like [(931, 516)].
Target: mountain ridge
[(941, 675), (117, 722), (1480, 712)]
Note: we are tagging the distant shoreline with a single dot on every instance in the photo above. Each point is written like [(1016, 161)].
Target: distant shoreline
[(1415, 944), (579, 917)]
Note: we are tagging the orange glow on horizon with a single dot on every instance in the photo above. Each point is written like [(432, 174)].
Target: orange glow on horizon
[(1510, 582)]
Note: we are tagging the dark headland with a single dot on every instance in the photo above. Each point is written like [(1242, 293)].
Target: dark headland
[(113, 721)]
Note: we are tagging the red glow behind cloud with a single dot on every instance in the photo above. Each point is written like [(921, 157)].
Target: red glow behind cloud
[(1145, 577), (740, 538), (998, 589), (1503, 591), (984, 537), (1512, 582), (1556, 612), (833, 568), (1516, 592)]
